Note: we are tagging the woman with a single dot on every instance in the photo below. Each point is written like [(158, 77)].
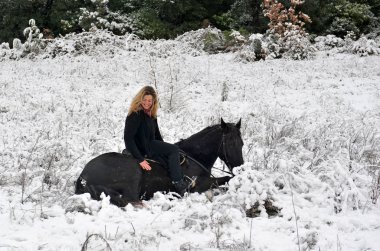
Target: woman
[(143, 138)]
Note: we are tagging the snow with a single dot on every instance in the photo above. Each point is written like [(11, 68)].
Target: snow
[(311, 133)]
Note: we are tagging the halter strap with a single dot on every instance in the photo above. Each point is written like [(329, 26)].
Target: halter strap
[(223, 146)]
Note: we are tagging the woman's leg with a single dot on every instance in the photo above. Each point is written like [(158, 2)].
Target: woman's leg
[(171, 153)]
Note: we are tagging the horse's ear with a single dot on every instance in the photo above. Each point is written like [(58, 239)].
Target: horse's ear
[(224, 125), (238, 124)]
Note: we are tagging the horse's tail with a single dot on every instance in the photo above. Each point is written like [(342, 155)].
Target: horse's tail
[(80, 185), (95, 191)]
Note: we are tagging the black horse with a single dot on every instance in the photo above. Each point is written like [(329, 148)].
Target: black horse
[(121, 177)]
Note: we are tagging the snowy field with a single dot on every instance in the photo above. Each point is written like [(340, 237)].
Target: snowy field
[(312, 147)]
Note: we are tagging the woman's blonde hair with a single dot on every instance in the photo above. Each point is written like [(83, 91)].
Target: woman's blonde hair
[(136, 102)]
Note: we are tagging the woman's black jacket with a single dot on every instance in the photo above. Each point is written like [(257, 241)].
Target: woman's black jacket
[(139, 130)]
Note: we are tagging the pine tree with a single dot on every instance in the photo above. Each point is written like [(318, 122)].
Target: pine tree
[(248, 14)]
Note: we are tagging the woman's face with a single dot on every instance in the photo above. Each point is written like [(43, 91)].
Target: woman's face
[(147, 102)]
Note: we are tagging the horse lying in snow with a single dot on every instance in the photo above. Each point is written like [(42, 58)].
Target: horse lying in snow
[(121, 177)]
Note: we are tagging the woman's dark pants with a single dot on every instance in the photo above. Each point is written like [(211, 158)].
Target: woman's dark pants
[(170, 153)]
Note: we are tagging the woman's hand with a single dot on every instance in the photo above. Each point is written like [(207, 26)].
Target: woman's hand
[(145, 165)]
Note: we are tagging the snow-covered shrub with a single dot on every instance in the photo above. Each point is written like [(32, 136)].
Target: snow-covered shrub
[(33, 37), (286, 29), (295, 45), (4, 50), (253, 50), (33, 45), (328, 42), (83, 203), (234, 41), (250, 187), (257, 45), (365, 47), (4, 46), (209, 39), (167, 48), (103, 42), (246, 54), (99, 42), (286, 36), (17, 44), (213, 40), (377, 39), (237, 37)]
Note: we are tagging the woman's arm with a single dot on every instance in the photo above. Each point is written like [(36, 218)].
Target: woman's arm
[(132, 124)]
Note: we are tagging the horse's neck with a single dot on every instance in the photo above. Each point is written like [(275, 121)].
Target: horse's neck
[(203, 149), (207, 160)]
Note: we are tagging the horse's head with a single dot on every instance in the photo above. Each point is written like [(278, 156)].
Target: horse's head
[(230, 150)]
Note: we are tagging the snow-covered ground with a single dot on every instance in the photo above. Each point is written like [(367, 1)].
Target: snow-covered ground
[(312, 146)]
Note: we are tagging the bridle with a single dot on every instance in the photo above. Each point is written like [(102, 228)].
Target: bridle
[(222, 146)]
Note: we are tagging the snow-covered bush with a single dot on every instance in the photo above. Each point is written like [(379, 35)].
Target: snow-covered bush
[(4, 46), (295, 45), (237, 37), (253, 50), (98, 42), (234, 41), (33, 43), (209, 39), (328, 42), (377, 39), (103, 42), (365, 47), (286, 31), (251, 187), (4, 50), (246, 54), (17, 44), (292, 45), (14, 53)]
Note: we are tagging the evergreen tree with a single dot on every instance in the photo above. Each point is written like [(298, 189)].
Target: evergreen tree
[(350, 17), (248, 14), (373, 4), (15, 14), (320, 12)]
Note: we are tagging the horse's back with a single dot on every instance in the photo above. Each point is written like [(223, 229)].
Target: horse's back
[(111, 167)]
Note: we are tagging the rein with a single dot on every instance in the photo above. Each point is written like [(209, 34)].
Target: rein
[(198, 163), (224, 171)]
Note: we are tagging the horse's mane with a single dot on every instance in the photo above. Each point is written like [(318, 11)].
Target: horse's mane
[(199, 135)]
